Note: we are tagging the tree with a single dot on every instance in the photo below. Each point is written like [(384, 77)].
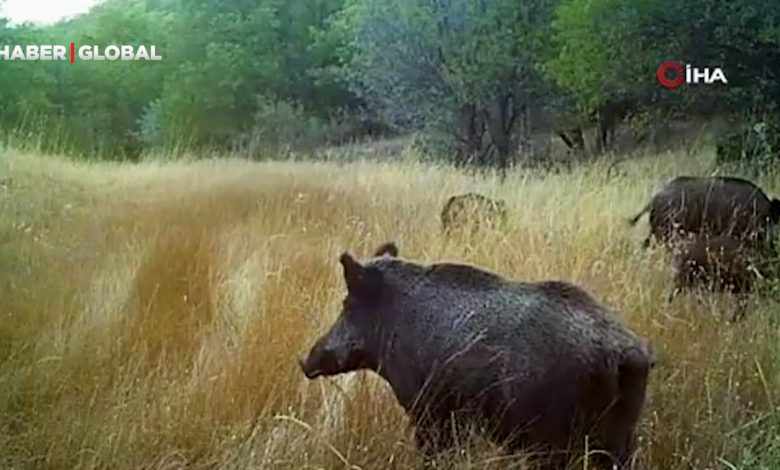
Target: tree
[(244, 51), (607, 52), (463, 71)]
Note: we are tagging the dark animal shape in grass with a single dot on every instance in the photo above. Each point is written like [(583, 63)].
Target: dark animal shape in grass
[(719, 264), (472, 212), (538, 363), (691, 206)]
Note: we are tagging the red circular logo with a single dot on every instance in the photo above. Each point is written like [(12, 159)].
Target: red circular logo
[(676, 68)]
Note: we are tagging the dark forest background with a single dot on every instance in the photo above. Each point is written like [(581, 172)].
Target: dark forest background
[(472, 81)]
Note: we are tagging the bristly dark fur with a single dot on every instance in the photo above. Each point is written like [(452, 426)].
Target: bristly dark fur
[(527, 359), (711, 206), (720, 263), (471, 211)]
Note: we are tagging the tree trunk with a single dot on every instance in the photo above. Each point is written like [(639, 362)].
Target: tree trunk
[(609, 115), (524, 132), (500, 122), (602, 127), (468, 134)]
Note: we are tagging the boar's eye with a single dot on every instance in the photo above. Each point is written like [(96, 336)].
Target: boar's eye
[(354, 305)]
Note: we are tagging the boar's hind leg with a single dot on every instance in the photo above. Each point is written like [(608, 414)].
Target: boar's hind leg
[(620, 421)]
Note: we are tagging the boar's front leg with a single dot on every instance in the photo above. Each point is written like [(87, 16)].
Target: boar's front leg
[(433, 433)]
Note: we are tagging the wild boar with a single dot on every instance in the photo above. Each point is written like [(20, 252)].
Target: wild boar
[(690, 205), (471, 212), (720, 263), (538, 362)]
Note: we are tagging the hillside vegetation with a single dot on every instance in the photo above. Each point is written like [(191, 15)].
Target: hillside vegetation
[(153, 314), (473, 80)]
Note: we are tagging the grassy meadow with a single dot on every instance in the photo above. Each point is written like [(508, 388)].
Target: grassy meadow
[(152, 315)]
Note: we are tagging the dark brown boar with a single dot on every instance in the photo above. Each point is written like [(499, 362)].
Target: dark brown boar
[(721, 264), (471, 212), (539, 363), (690, 205)]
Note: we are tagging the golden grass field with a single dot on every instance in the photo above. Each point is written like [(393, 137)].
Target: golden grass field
[(152, 316)]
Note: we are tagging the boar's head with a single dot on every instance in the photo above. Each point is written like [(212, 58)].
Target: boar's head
[(351, 343)]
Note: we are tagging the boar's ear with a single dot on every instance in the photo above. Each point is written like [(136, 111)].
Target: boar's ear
[(361, 281), (389, 249)]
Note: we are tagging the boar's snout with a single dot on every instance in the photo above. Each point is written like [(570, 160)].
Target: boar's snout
[(309, 371), (309, 368), (319, 362), (302, 365)]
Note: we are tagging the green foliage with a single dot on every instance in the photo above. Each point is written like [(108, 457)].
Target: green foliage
[(460, 71), (244, 50), (24, 85), (460, 74), (218, 58), (608, 48), (281, 127), (95, 104)]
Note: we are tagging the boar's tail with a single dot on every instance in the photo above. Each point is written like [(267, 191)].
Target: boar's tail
[(633, 220)]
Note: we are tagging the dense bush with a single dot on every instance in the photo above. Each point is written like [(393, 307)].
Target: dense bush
[(281, 127)]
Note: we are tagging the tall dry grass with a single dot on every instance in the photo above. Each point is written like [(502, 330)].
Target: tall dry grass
[(152, 316)]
